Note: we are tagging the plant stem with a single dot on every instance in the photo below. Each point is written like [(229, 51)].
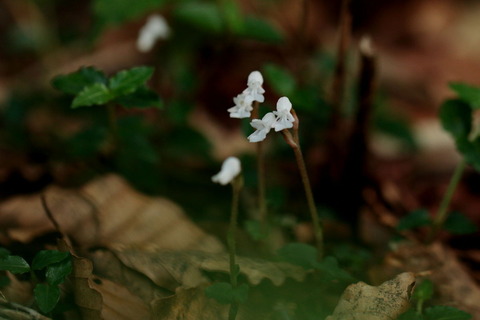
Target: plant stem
[(442, 215), (113, 127), (262, 206)]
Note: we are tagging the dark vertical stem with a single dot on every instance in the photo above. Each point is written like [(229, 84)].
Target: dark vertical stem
[(262, 207), (113, 127)]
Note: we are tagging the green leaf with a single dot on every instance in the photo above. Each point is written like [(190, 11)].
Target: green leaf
[(14, 264), (415, 219), (410, 315), (259, 29), (4, 252), (204, 16), (445, 313), (48, 257), (119, 11), (57, 272), (457, 223), (127, 81), (299, 254), (140, 98), (456, 118), (47, 296), (86, 143), (233, 16), (256, 229), (280, 79), (467, 93), (330, 270), (423, 291), (75, 82), (470, 151), (225, 294), (95, 94)]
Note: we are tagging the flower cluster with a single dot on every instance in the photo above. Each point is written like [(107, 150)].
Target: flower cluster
[(243, 102), (279, 120)]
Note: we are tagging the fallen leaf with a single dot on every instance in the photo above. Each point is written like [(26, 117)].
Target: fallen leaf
[(13, 311), (361, 301)]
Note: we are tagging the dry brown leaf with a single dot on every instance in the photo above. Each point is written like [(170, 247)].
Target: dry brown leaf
[(88, 299), (361, 301), (106, 212), (170, 269)]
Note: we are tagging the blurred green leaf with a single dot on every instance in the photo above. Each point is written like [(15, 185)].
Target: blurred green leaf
[(233, 16), (457, 223), (261, 30), (4, 253), (280, 79), (415, 219), (410, 315), (256, 229), (75, 82), (470, 151), (119, 11), (95, 94), (57, 272), (127, 81), (299, 254), (467, 93), (47, 296), (140, 98), (47, 257), (225, 294), (330, 270), (445, 313), (204, 16), (396, 127), (456, 118), (423, 291), (14, 264), (86, 143)]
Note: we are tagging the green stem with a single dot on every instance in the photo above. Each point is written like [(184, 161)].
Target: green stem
[(113, 127), (442, 215)]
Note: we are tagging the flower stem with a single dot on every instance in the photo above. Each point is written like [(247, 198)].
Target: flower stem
[(442, 215), (113, 127)]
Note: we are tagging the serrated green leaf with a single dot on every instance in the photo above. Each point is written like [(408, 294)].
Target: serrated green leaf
[(410, 315), (423, 291), (456, 118), (457, 223), (14, 264), (225, 294), (119, 11), (468, 93), (57, 272), (204, 16), (280, 79), (47, 257), (127, 81), (140, 98), (47, 296), (299, 254), (415, 219), (445, 313), (75, 82), (259, 29), (95, 94)]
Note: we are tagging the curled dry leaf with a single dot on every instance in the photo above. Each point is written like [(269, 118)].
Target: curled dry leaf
[(106, 212), (361, 301)]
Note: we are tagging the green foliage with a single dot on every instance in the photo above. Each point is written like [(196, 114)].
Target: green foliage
[(57, 272), (423, 291), (95, 94), (467, 93), (140, 98), (457, 223), (118, 11), (205, 17), (224, 293), (415, 219), (299, 254), (47, 296), (456, 118), (410, 315), (261, 30), (280, 79), (256, 230), (331, 271), (47, 257), (14, 264), (445, 313), (233, 16), (75, 82), (127, 81), (4, 253)]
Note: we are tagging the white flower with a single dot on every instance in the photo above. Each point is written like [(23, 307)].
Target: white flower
[(284, 118), (263, 127), (231, 168), (243, 106), (254, 89), (155, 28)]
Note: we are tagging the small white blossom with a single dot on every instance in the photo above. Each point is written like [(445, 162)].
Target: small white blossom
[(231, 168), (254, 89), (263, 127), (154, 29), (243, 106), (284, 118)]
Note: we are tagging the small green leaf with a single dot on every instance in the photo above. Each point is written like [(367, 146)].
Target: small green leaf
[(415, 219), (299, 254), (57, 272), (445, 313), (140, 98), (127, 81), (225, 294), (410, 315), (456, 118), (75, 82), (457, 223), (47, 296), (423, 291), (467, 93), (204, 16), (256, 229), (261, 30), (47, 257), (330, 270), (470, 151), (95, 94), (280, 79), (14, 264)]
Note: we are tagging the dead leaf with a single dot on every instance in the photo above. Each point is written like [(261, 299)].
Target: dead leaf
[(106, 212), (13, 311), (88, 299), (361, 301)]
